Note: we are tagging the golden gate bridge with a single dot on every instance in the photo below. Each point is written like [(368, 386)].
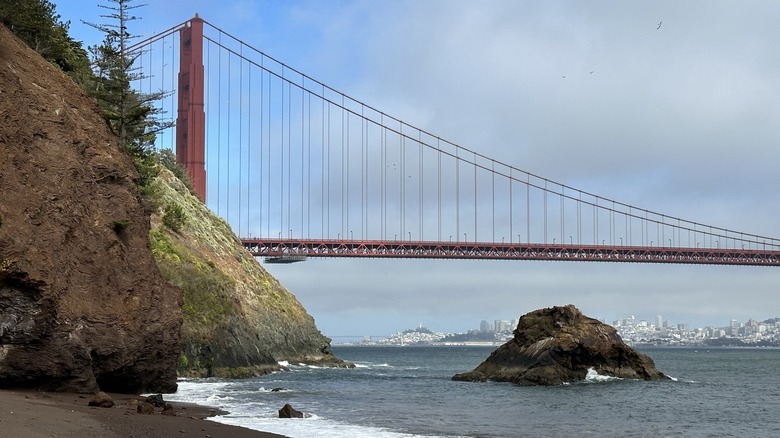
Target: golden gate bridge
[(301, 170)]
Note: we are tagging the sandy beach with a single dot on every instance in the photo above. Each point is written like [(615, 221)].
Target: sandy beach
[(32, 414)]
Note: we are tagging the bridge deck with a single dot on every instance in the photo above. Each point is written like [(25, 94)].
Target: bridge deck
[(291, 250)]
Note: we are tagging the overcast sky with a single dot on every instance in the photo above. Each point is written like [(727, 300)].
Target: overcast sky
[(667, 105)]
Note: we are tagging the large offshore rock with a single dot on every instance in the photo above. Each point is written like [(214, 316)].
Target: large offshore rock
[(82, 304), (239, 321), (558, 345)]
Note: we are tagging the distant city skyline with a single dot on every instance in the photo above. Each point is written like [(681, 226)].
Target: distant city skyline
[(633, 331), (513, 324)]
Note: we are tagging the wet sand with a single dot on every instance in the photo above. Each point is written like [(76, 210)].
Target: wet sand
[(32, 414)]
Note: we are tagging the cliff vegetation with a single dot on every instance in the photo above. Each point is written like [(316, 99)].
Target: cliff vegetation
[(238, 320)]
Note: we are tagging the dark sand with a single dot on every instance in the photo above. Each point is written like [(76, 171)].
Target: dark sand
[(31, 414)]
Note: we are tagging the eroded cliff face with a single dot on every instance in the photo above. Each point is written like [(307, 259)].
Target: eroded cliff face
[(559, 345), (238, 320), (82, 302)]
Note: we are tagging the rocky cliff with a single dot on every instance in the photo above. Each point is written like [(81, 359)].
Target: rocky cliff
[(82, 302), (560, 344), (238, 320)]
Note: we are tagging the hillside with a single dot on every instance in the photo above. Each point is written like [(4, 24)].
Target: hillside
[(82, 303), (238, 319), (89, 266)]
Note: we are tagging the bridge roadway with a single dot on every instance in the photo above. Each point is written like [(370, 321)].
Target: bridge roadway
[(295, 250)]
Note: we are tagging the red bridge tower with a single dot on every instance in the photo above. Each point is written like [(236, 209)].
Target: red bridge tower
[(191, 119)]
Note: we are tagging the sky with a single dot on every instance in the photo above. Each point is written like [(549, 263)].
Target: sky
[(668, 105)]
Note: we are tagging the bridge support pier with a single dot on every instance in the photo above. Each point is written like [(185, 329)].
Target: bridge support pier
[(191, 118)]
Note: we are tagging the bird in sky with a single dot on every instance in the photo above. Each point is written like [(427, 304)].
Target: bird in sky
[(659, 25)]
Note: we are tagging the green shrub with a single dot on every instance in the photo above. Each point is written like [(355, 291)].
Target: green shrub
[(174, 217), (120, 225), (183, 361), (168, 159)]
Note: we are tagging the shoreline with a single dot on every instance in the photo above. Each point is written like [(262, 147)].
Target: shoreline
[(28, 413)]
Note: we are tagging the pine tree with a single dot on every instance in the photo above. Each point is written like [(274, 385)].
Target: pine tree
[(132, 115), (37, 23)]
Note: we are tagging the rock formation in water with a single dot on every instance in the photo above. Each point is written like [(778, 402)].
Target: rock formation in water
[(238, 320), (82, 303), (558, 345)]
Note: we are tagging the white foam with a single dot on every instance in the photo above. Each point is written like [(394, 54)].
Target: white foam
[(263, 417), (370, 365), (284, 363), (274, 389), (593, 376), (310, 425)]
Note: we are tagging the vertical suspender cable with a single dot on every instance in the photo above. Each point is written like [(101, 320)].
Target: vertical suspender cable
[(219, 127), (457, 195), (421, 181), (262, 131), (402, 179), (173, 85), (383, 173), (475, 197), (528, 208), (545, 211), (511, 209), (596, 222), (579, 217), (281, 155), (344, 169), (322, 165), (249, 150), (270, 147), (613, 225), (438, 186), (327, 189), (308, 185), (303, 155), (240, 133), (363, 164), (563, 190), (229, 146), (289, 155)]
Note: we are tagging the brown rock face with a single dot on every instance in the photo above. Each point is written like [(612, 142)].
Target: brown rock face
[(82, 304), (559, 344)]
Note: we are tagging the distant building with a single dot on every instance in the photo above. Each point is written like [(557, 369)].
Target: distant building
[(734, 326), (484, 326), (501, 325)]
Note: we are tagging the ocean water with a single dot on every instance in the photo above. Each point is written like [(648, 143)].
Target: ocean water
[(407, 392)]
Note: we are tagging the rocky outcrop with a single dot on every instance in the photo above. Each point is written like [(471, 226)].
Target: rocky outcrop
[(558, 345), (238, 320), (82, 304), (288, 411)]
